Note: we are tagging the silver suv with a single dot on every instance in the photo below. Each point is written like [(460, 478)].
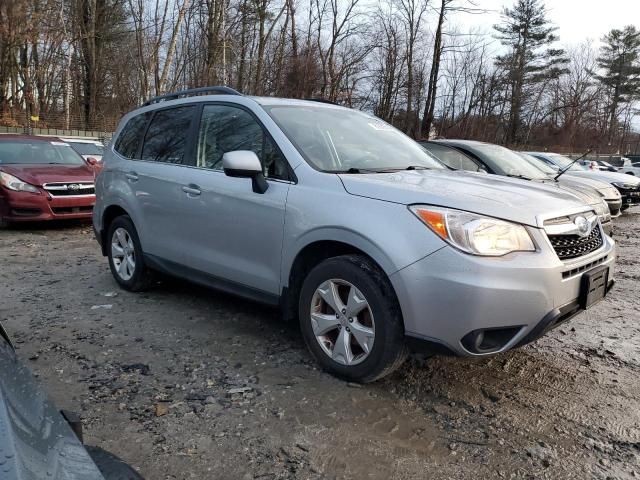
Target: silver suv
[(347, 224)]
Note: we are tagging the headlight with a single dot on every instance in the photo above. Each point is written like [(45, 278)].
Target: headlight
[(475, 234), (609, 192), (14, 183), (626, 186)]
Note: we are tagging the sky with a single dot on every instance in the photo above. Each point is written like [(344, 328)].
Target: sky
[(576, 20)]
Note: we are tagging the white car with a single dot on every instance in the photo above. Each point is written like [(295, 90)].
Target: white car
[(629, 167), (88, 148)]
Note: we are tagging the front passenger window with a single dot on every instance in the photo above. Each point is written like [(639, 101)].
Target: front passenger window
[(225, 128)]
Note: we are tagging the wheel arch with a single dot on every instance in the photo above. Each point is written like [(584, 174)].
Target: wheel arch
[(109, 215), (314, 251)]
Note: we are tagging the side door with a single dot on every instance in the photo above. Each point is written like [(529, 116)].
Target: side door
[(232, 233), (158, 177)]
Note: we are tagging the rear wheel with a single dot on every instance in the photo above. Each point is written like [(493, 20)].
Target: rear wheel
[(126, 258), (350, 319)]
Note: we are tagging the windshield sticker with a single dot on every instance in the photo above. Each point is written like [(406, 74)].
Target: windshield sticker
[(60, 144), (380, 126)]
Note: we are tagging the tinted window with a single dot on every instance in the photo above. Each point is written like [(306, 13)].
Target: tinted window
[(130, 138), (166, 139), (452, 157), (225, 129)]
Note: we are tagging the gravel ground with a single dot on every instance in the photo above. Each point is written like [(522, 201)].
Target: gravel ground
[(184, 382)]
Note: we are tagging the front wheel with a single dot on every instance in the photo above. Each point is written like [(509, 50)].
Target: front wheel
[(126, 258), (350, 319)]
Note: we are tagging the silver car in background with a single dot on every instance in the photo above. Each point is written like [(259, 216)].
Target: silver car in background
[(627, 185), (346, 224)]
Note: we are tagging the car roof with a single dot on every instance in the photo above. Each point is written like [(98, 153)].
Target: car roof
[(455, 141), (239, 99), (37, 138), (80, 140)]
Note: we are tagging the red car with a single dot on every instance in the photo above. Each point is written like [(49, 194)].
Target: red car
[(43, 178)]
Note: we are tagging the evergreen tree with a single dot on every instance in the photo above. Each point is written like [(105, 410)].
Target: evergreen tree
[(619, 61), (526, 31)]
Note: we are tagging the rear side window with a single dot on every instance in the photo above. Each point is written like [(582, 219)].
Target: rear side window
[(130, 138), (166, 139)]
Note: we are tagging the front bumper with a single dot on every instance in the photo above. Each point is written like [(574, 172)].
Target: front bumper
[(614, 206), (448, 295), (630, 196), (31, 207)]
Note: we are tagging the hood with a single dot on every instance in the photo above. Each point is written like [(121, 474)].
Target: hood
[(601, 188), (41, 174), (520, 201), (585, 193), (603, 176)]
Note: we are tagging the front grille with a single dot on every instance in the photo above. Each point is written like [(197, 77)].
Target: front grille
[(573, 246), (69, 189)]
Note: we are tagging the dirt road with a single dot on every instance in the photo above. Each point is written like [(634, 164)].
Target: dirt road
[(184, 382)]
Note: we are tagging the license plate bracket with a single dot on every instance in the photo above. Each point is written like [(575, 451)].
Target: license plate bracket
[(593, 287)]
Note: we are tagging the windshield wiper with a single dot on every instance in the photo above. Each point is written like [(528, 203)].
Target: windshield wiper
[(417, 167), (562, 170), (380, 170), (517, 175)]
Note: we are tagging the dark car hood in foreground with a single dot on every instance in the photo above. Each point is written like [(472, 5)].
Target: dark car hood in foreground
[(511, 199), (41, 174), (35, 441)]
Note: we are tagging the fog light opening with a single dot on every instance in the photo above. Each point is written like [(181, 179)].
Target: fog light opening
[(489, 340)]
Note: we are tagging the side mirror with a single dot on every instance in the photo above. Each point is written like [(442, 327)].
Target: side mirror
[(92, 161), (245, 164)]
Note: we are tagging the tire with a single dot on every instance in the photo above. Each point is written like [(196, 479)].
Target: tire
[(3, 223), (381, 317), (624, 208), (139, 277), (112, 467)]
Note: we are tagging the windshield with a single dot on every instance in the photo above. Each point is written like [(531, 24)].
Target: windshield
[(87, 148), (563, 162), (539, 164), (507, 162), (340, 140), (38, 152)]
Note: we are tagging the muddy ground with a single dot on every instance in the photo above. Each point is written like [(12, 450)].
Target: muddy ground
[(184, 382)]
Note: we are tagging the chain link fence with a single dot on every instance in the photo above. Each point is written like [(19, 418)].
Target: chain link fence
[(57, 124)]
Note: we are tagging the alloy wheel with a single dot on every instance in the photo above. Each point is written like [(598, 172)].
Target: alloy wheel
[(123, 253), (342, 322)]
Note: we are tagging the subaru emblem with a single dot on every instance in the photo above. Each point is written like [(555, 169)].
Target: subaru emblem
[(583, 226)]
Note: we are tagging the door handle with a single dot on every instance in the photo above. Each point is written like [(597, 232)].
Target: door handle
[(131, 176), (191, 190)]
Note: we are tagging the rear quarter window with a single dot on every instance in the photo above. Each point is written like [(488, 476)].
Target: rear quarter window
[(130, 138)]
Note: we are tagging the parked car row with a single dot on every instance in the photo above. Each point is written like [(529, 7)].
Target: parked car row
[(628, 167), (628, 186)]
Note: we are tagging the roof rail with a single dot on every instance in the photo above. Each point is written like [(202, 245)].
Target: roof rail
[(190, 93), (321, 100)]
